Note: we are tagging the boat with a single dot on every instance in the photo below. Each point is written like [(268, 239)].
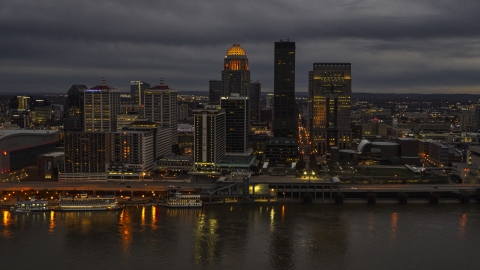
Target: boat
[(86, 203), (179, 200), (33, 205)]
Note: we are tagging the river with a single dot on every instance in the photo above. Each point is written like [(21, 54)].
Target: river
[(290, 236)]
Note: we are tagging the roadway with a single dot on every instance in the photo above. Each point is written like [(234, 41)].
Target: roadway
[(163, 185)]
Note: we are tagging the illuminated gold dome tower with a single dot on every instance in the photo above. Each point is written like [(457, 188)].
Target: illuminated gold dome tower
[(235, 74)]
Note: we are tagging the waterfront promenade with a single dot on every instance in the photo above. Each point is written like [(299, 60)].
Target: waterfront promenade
[(280, 188)]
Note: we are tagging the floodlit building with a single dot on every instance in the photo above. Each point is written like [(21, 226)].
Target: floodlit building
[(235, 74)]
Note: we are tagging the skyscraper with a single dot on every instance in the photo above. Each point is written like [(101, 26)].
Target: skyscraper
[(329, 91), (237, 111), (215, 91), (161, 106), (284, 118), (74, 108), (101, 105), (235, 74), (254, 98), (137, 90), (209, 135), (269, 101)]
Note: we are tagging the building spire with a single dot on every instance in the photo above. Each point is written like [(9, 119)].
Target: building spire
[(161, 81), (103, 81)]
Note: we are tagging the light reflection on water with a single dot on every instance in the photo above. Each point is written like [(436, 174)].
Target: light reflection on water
[(247, 236)]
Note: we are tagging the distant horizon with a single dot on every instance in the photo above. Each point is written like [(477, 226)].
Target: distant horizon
[(207, 92)]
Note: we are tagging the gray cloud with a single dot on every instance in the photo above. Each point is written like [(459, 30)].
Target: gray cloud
[(394, 46)]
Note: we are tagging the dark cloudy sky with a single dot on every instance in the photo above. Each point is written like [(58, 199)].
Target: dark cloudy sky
[(421, 46)]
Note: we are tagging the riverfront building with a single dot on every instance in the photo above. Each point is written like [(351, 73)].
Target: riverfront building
[(208, 143), (329, 91), (132, 155), (87, 155)]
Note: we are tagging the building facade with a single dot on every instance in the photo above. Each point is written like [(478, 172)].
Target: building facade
[(87, 155), (101, 105), (209, 136), (330, 89), (20, 148), (235, 74), (74, 108), (137, 90), (215, 91), (132, 155), (284, 117), (237, 123), (161, 106), (254, 97)]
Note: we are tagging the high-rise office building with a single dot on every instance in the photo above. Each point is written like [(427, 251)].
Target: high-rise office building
[(269, 101), (161, 106), (285, 122), (132, 154), (137, 90), (183, 111), (209, 136), (161, 143), (329, 91), (254, 97), (74, 108), (237, 111), (101, 105), (87, 153), (215, 91), (235, 74)]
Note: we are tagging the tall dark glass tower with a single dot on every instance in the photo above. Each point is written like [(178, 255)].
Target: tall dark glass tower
[(284, 118)]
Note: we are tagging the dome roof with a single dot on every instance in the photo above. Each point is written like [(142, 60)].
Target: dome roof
[(236, 50)]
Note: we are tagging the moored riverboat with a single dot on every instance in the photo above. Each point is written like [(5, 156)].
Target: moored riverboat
[(33, 205), (179, 200), (86, 203)]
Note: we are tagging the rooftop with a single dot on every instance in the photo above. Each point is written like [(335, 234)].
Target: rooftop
[(236, 50)]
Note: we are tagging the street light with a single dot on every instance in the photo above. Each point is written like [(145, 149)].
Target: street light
[(395, 178)]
